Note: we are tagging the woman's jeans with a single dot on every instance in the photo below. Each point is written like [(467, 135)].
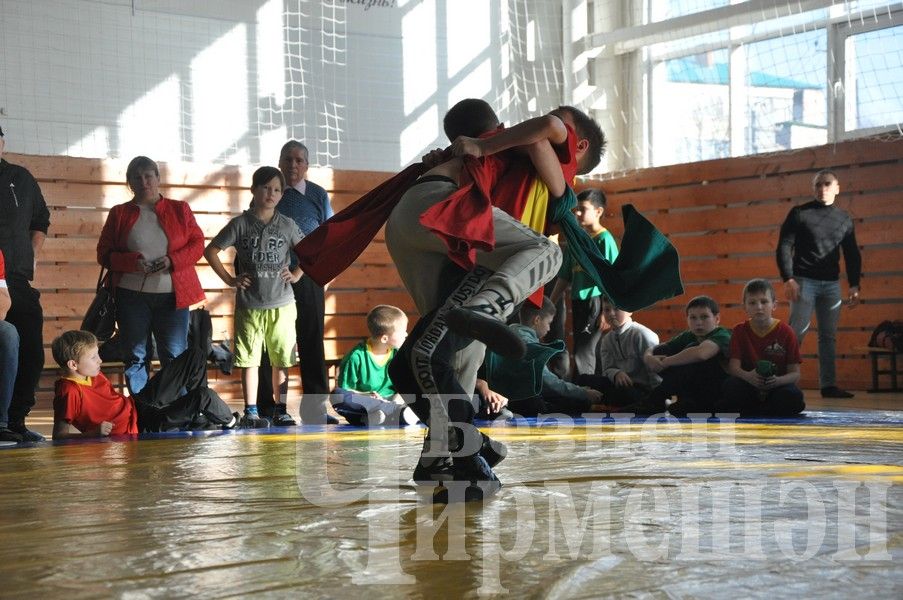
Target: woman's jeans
[(9, 366), (140, 314), (824, 298)]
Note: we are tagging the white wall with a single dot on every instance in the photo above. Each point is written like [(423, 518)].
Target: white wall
[(364, 87)]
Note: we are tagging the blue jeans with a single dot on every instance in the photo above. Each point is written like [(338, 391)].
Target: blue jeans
[(9, 366), (824, 298), (139, 314)]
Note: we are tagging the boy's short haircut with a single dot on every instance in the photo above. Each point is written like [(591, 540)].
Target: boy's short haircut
[(529, 311), (264, 175), (382, 318), (71, 345), (825, 172), (703, 302), (758, 286), (594, 196), (588, 129), (292, 145), (470, 117)]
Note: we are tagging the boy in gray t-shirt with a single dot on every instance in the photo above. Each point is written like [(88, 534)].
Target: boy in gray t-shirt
[(264, 303)]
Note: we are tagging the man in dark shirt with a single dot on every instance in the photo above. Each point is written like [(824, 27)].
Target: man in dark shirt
[(24, 220), (808, 256)]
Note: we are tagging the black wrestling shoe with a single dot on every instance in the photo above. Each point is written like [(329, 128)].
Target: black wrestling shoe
[(432, 470), (497, 336), (472, 480), (835, 392), (492, 451)]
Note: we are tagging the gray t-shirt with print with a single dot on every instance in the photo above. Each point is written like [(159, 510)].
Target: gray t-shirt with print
[(262, 249)]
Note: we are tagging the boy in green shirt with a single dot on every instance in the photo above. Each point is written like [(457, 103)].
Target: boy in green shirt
[(586, 298), (365, 393), (692, 364)]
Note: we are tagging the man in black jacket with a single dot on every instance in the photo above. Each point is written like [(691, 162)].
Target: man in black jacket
[(808, 254), (24, 220)]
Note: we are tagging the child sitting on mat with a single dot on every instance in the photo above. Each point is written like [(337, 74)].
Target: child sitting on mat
[(765, 361), (85, 405), (365, 394)]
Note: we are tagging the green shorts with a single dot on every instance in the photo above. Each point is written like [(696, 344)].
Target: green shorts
[(273, 327)]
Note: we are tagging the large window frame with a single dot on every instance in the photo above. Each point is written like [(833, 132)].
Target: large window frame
[(634, 47)]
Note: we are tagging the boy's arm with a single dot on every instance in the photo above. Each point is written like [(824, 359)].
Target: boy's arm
[(790, 377), (545, 128), (692, 354), (495, 400), (536, 136), (63, 430), (211, 253), (751, 377)]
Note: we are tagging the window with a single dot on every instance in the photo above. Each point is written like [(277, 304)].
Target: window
[(873, 80)]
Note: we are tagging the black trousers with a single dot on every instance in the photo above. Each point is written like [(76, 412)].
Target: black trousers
[(162, 406), (696, 385), (740, 397), (27, 316), (310, 300)]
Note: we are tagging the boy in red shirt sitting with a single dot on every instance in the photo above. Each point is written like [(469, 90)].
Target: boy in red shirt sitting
[(765, 361), (85, 404)]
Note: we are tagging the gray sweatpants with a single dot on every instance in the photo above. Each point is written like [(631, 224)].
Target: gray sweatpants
[(520, 263)]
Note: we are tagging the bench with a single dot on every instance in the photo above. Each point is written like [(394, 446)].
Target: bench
[(875, 353)]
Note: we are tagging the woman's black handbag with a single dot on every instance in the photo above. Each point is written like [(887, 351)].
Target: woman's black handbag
[(101, 316)]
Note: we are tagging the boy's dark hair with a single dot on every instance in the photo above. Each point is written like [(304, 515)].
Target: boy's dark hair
[(382, 318), (758, 286), (825, 172), (71, 345), (291, 145), (529, 311), (264, 175), (586, 128), (470, 117), (594, 196), (703, 302), (138, 164)]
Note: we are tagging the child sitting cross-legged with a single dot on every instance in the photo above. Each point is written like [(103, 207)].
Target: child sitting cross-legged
[(86, 405), (529, 385), (692, 364), (623, 377), (365, 394), (765, 361)]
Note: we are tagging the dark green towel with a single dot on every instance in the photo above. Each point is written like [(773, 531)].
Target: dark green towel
[(647, 268), (519, 379)]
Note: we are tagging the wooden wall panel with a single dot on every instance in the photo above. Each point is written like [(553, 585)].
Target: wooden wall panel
[(722, 215)]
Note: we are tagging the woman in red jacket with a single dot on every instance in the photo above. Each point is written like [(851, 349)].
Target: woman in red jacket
[(151, 245)]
